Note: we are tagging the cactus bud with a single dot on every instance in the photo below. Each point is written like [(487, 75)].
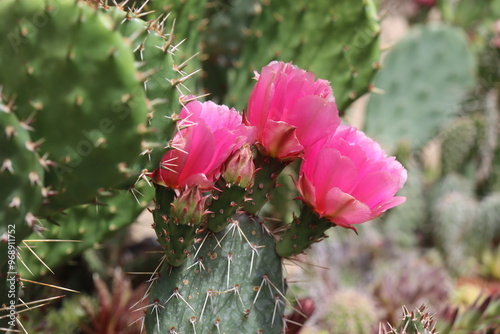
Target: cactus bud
[(189, 207), (239, 168)]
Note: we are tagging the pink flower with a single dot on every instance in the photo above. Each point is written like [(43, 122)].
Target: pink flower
[(209, 134), (290, 110), (348, 179)]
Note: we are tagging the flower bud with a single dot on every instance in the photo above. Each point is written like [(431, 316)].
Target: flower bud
[(189, 207), (239, 168)]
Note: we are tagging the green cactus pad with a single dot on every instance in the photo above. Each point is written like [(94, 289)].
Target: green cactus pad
[(304, 231), (167, 68), (74, 77), (266, 175), (419, 321), (177, 239), (83, 227), (336, 40), (224, 206), (21, 179), (423, 79), (233, 285)]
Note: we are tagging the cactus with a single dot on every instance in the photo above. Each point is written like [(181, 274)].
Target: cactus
[(69, 67), (21, 176), (302, 32), (236, 269), (486, 231), (453, 217), (459, 139), (415, 322), (223, 40), (350, 312), (82, 227), (169, 61), (408, 98), (480, 317), (410, 281)]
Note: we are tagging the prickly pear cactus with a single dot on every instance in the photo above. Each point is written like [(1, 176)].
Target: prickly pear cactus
[(84, 226), (350, 312), (74, 81), (302, 32), (21, 176), (434, 53), (233, 284), (168, 61)]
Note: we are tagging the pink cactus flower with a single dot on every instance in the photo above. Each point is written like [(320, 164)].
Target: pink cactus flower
[(290, 110), (209, 134), (348, 179)]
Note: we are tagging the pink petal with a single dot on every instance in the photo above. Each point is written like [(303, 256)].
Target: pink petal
[(280, 140), (375, 187), (314, 117), (386, 205), (342, 208)]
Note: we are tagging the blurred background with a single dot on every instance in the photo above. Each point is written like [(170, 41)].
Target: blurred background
[(420, 77)]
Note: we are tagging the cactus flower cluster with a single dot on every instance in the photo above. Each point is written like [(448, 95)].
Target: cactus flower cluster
[(345, 177)]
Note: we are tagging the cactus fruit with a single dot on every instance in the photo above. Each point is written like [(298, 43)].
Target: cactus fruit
[(301, 32), (69, 67), (236, 269), (434, 53), (350, 312)]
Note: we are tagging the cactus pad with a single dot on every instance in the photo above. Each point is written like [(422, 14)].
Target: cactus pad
[(436, 54), (73, 76), (338, 40), (237, 270)]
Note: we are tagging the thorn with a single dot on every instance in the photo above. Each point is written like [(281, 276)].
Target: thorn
[(10, 131), (34, 179), (7, 165), (38, 258), (375, 90), (15, 202), (33, 146), (179, 68), (229, 259), (49, 285)]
